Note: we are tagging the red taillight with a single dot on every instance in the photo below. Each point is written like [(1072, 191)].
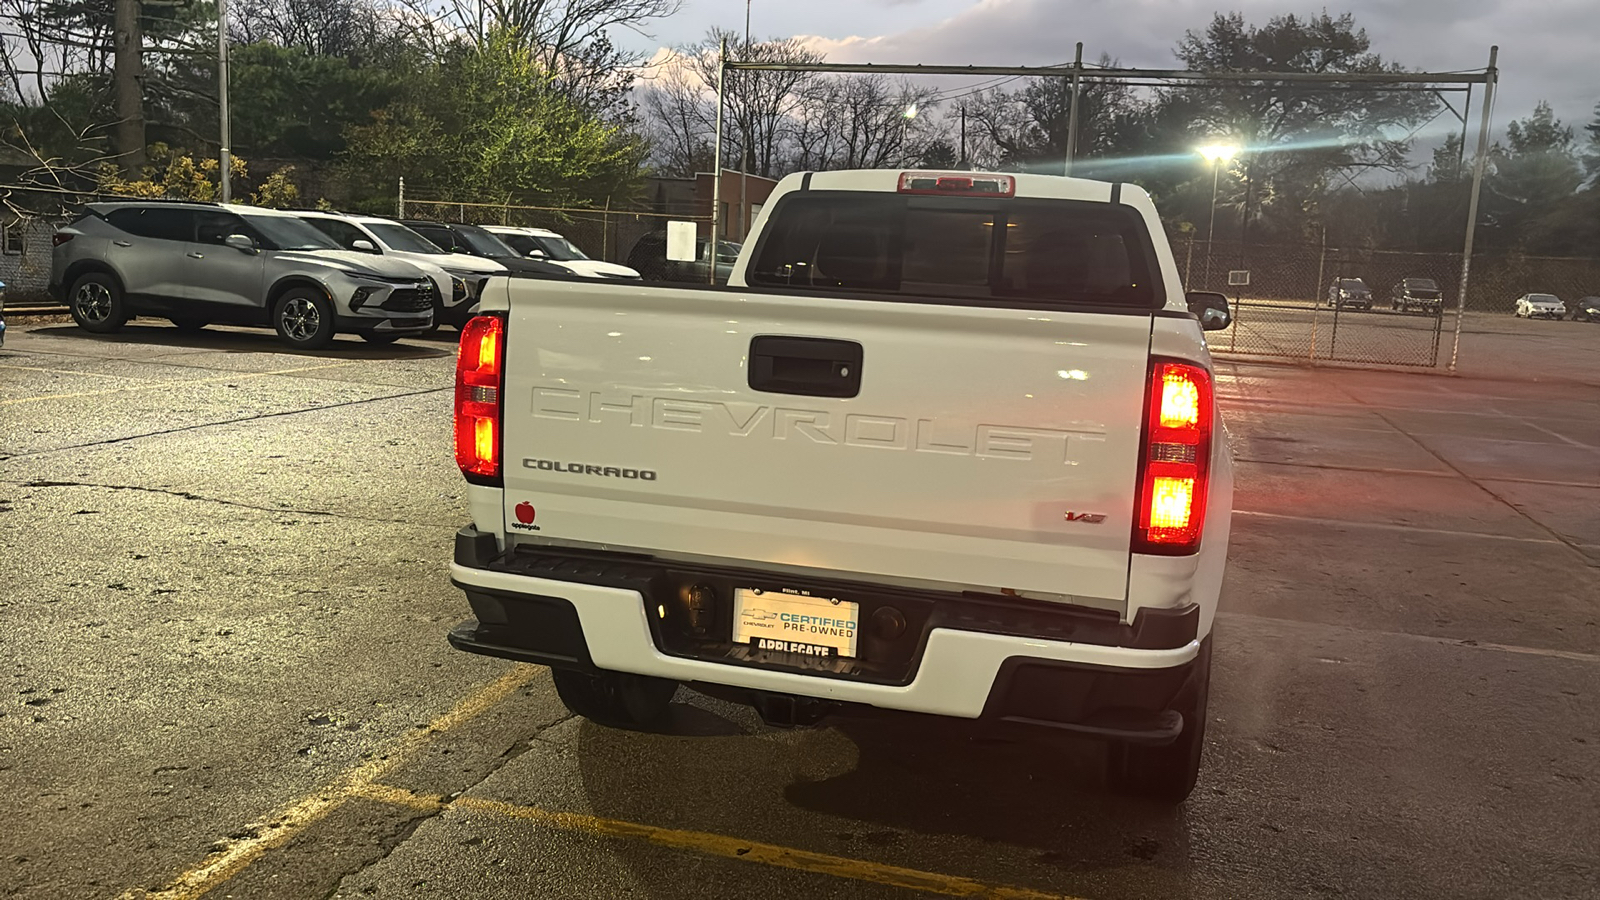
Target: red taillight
[(60, 237), (1174, 466), (957, 184), (479, 372)]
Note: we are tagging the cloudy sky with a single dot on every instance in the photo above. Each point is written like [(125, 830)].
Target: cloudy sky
[(1548, 48)]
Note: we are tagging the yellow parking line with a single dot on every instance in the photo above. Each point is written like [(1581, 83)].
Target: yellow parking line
[(717, 845), (237, 855), (158, 385)]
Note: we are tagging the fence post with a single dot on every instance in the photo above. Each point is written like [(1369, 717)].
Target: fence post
[(400, 211), (1316, 290), (1188, 264), (1472, 204), (605, 231)]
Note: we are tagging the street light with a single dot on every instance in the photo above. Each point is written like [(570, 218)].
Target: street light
[(1216, 154)]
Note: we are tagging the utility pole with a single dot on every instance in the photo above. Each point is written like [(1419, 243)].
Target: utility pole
[(224, 150), (964, 165), (127, 75)]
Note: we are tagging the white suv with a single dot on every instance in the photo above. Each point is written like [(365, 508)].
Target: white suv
[(462, 276)]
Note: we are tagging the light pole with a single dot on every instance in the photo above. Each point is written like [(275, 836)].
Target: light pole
[(1216, 154), (224, 152), (748, 138)]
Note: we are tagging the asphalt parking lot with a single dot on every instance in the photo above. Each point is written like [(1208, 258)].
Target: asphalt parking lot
[(225, 600)]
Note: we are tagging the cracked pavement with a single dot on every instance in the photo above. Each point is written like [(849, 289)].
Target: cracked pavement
[(225, 597)]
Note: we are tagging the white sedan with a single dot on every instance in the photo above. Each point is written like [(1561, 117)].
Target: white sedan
[(1543, 306), (542, 243)]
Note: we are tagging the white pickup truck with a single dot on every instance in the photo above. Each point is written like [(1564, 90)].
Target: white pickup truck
[(945, 444)]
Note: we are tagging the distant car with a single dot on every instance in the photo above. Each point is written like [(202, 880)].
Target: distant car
[(198, 263), (474, 241), (1540, 306), (1349, 292), (649, 257), (1586, 310), (1420, 294), (546, 245), (459, 276)]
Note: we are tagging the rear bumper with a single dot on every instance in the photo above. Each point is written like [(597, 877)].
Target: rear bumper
[(1095, 682)]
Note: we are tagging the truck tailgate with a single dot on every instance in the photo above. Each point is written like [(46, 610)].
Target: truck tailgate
[(986, 447)]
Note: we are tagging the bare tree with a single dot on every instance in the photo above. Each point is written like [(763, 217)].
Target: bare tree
[(572, 37), (678, 126), (864, 121), (348, 28)]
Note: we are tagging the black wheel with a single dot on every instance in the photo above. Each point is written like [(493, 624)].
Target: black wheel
[(304, 319), (185, 323), (1167, 774), (615, 698), (380, 337), (96, 303)]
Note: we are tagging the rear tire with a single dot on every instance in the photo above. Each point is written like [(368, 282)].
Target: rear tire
[(304, 319), (617, 699), (380, 337), (1168, 774), (95, 302), (189, 325)]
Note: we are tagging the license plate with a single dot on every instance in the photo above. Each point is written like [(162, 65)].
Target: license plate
[(795, 623)]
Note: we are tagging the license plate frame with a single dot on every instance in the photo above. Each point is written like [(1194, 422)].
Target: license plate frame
[(791, 621)]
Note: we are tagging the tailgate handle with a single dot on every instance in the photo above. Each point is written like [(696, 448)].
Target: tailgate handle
[(807, 366)]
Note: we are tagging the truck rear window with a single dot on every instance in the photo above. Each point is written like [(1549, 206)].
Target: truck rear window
[(989, 250)]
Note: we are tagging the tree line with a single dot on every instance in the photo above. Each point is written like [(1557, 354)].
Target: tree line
[(530, 101)]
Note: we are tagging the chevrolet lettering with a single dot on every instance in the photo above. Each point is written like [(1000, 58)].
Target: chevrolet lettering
[(945, 444)]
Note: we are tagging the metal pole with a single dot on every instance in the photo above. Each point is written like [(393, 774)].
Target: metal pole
[(1211, 230), (716, 175), (963, 165), (1072, 114), (224, 152), (1316, 290), (749, 138), (400, 207), (1478, 164)]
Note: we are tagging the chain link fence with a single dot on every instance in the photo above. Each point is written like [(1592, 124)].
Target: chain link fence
[(1318, 303), (630, 237)]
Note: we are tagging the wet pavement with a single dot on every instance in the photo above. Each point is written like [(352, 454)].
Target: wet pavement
[(224, 599)]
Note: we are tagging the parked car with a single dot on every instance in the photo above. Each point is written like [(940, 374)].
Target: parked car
[(1540, 306), (821, 499), (649, 257), (472, 240), (1349, 292), (544, 244), (459, 276), (199, 263), (1420, 294), (1586, 310)]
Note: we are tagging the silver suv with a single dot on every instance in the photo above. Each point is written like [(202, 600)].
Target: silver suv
[(199, 263)]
